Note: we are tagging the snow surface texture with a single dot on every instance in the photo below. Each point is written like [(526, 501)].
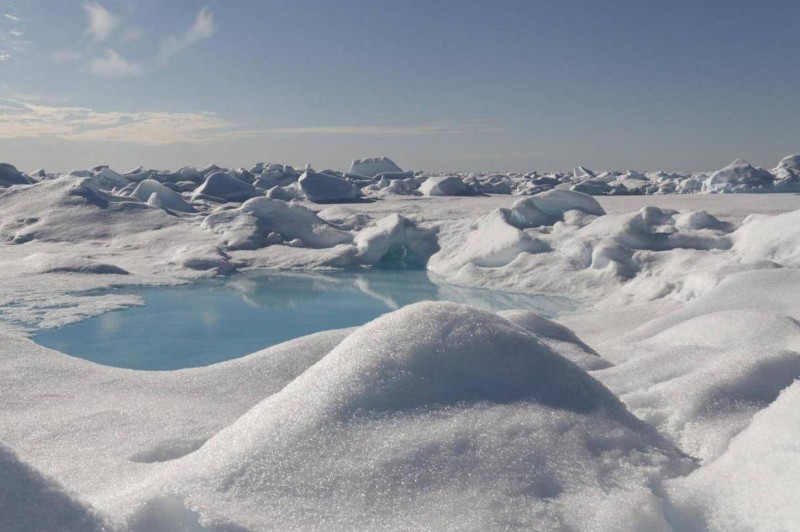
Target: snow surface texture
[(667, 401)]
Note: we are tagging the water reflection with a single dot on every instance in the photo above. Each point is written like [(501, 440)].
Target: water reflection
[(218, 320)]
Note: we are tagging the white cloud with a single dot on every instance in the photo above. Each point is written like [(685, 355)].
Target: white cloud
[(100, 21), (203, 28), (21, 119), (9, 16), (113, 65), (4, 56)]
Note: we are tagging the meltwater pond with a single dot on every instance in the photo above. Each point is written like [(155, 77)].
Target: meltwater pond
[(216, 320)]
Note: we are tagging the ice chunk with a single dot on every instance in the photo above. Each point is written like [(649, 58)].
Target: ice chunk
[(225, 187), (322, 188), (373, 166), (595, 187), (9, 175), (398, 239)]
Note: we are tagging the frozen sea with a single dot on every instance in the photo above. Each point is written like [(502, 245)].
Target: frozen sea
[(654, 388)]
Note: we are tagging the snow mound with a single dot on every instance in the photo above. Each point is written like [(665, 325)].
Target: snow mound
[(322, 188), (492, 242), (345, 218), (739, 176), (73, 210), (249, 226), (223, 186), (549, 207), (9, 175), (444, 186), (373, 166), (773, 238), (31, 502), (65, 263), (753, 485), (701, 381), (433, 416), (167, 199), (396, 240)]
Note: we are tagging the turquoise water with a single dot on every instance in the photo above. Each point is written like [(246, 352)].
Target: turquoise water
[(213, 321)]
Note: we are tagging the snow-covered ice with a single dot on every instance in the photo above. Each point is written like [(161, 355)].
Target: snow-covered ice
[(667, 400)]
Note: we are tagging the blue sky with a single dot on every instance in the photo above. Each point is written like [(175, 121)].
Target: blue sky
[(463, 85)]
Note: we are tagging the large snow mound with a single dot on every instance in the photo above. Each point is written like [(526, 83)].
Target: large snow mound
[(432, 416)]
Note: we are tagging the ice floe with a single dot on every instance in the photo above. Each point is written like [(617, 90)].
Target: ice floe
[(665, 399)]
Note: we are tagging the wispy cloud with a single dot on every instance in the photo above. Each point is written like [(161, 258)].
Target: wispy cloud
[(4, 56), (204, 28), (100, 22), (390, 131), (9, 16), (113, 65), (21, 119), (382, 131)]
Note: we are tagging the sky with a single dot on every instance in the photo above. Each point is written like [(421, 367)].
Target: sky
[(514, 85)]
